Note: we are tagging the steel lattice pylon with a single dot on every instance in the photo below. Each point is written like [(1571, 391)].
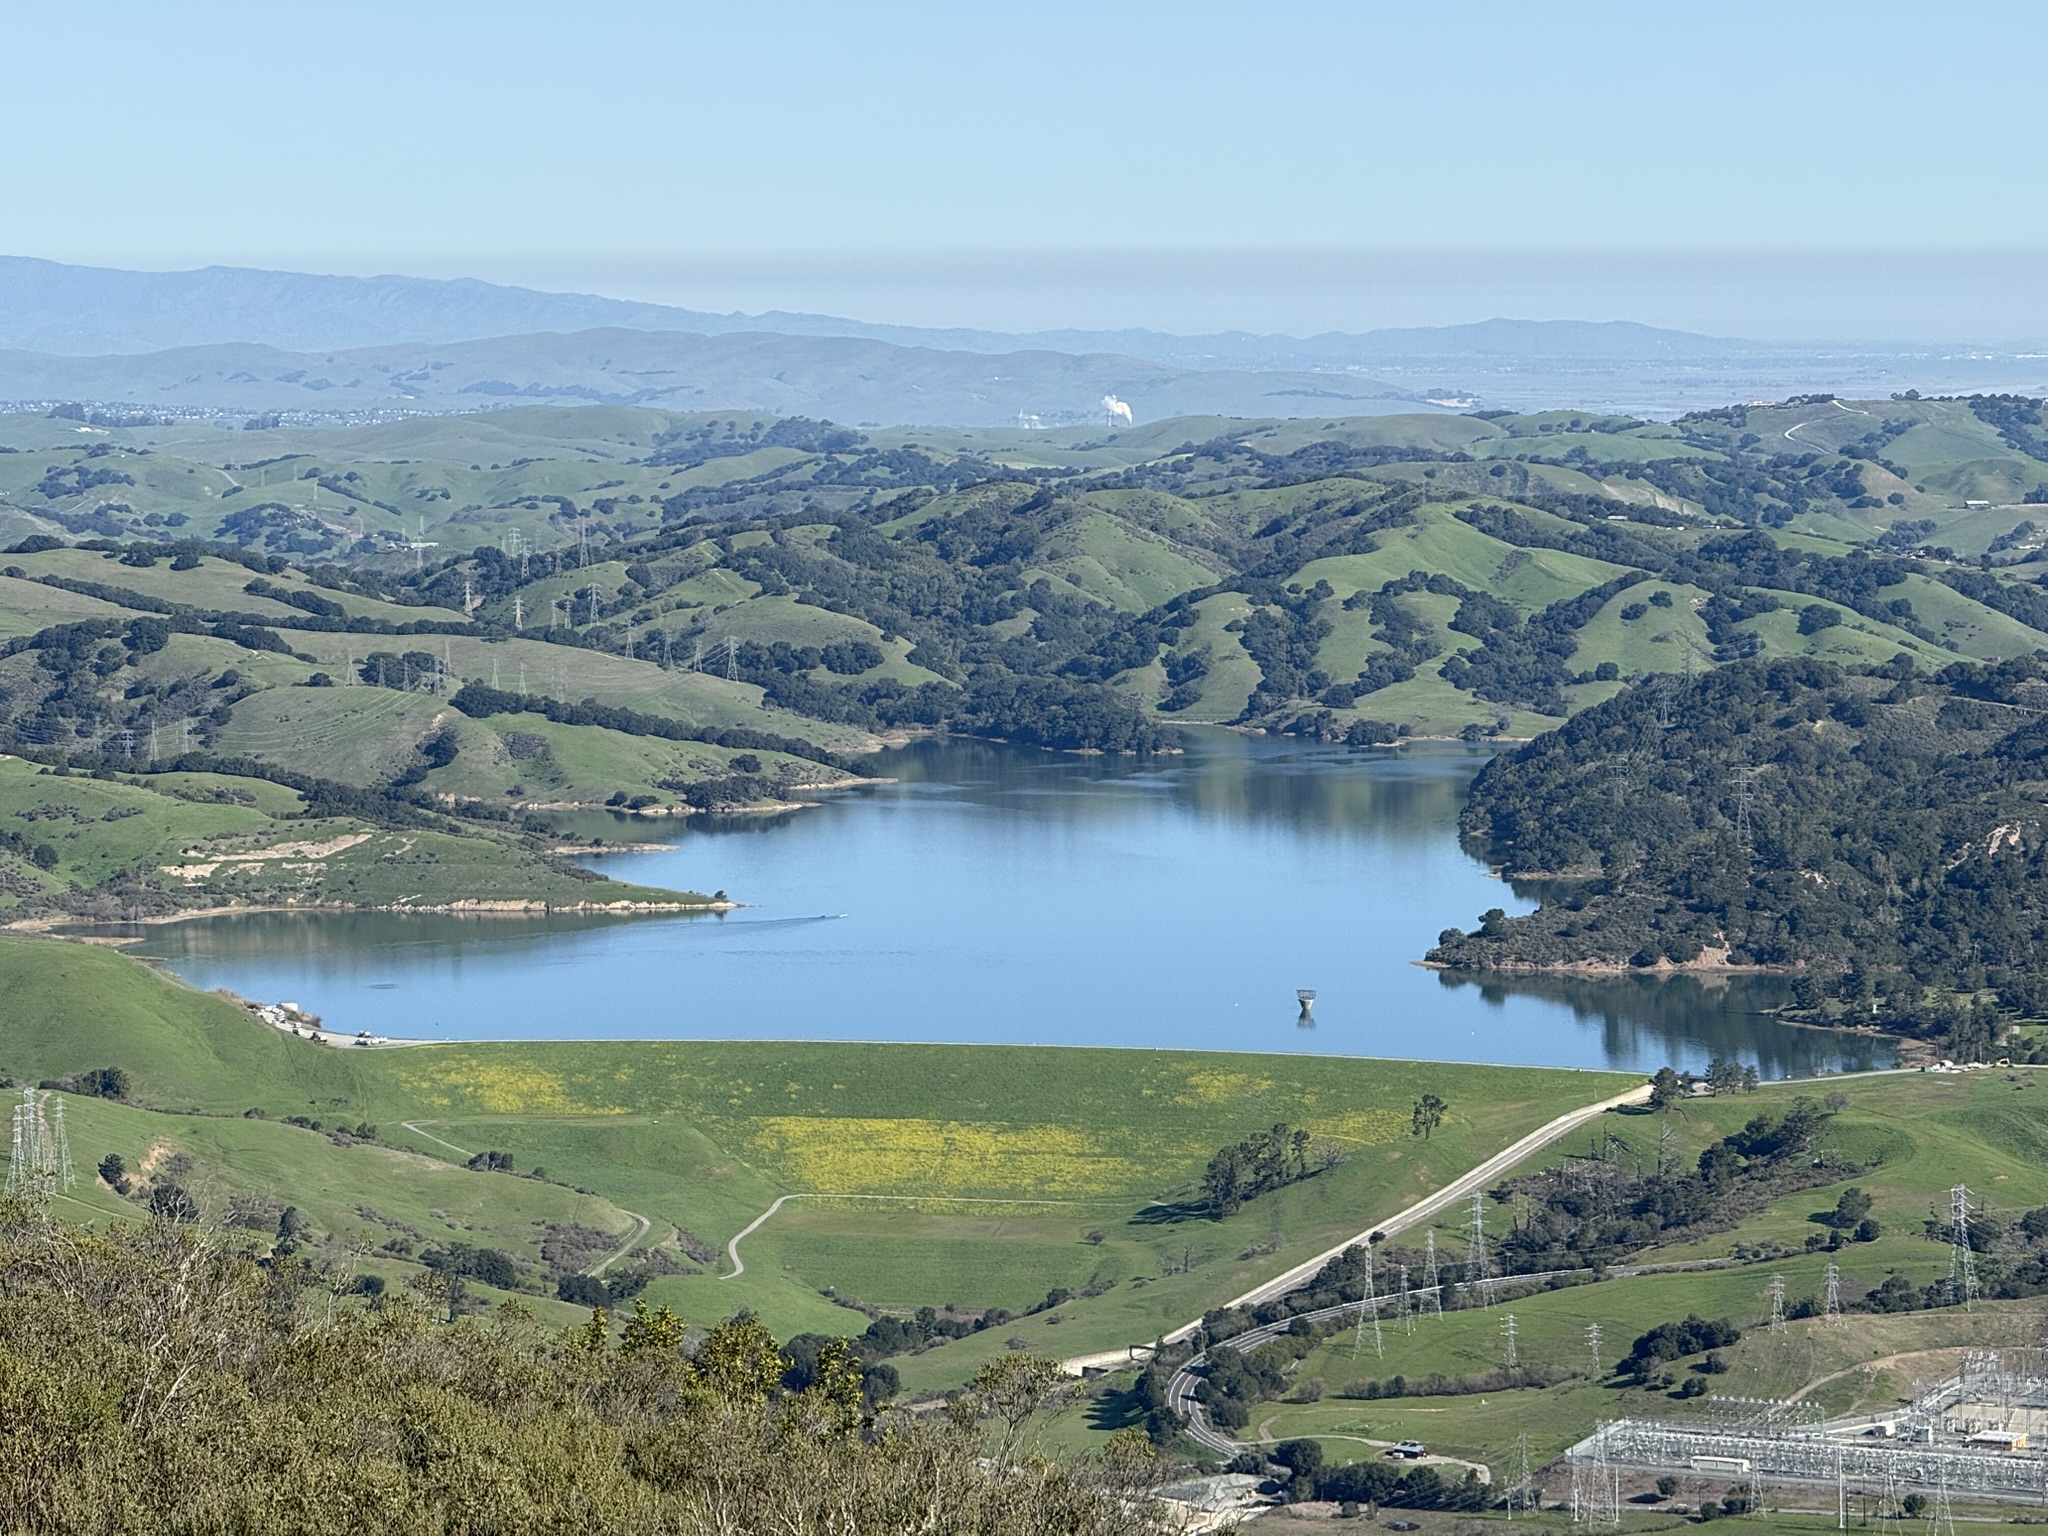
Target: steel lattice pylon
[(1962, 1264), (40, 1164)]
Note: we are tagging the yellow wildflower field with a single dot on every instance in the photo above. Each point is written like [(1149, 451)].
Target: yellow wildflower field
[(1368, 1126), (939, 1158), (502, 1088)]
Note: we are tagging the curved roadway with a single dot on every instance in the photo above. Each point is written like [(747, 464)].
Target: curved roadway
[(1180, 1390), (1458, 1189)]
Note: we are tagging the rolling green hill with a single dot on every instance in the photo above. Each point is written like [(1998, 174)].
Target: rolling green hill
[(692, 590)]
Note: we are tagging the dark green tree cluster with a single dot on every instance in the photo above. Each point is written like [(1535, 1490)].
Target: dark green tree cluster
[(1888, 843), (1266, 1161), (1592, 1211)]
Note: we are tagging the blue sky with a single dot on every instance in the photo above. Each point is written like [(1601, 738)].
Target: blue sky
[(1180, 164)]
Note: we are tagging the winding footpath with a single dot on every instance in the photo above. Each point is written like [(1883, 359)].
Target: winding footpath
[(739, 1266), (597, 1270)]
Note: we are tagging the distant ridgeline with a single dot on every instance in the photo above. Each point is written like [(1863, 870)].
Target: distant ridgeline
[(1881, 832), (655, 586)]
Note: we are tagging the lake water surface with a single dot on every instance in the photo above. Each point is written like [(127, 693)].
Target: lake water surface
[(994, 893)]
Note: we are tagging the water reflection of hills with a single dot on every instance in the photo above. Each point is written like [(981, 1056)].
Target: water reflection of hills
[(1722, 1015), (1222, 775), (1412, 795)]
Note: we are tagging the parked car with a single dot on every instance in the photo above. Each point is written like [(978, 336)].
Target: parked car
[(1411, 1450)]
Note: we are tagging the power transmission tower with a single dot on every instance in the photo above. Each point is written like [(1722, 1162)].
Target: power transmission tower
[(1667, 1150), (1519, 1495), (1475, 1252), (1510, 1356), (1372, 1302), (152, 734), (41, 1161), (1744, 775), (697, 656), (1593, 1350), (732, 659), (1941, 1520), (1596, 1489), (1962, 1263), (1776, 1291), (1432, 1286), (518, 611), (60, 1146), (1832, 1309)]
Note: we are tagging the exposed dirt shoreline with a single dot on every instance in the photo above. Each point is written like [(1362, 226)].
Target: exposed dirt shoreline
[(467, 907)]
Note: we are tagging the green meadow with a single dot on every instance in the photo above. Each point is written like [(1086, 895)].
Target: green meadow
[(926, 1175), (972, 1177)]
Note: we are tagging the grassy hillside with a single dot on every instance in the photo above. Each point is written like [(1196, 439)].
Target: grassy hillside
[(965, 1178), (155, 844), (1074, 589), (928, 1175)]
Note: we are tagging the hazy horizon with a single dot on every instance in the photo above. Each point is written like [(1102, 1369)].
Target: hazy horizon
[(1994, 299), (1823, 173)]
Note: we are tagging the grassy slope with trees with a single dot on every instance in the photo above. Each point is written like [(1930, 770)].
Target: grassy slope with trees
[(1069, 589), (993, 1175)]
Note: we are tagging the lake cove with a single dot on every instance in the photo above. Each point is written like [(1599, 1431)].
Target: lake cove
[(997, 894)]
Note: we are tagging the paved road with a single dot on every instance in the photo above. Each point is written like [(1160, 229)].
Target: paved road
[(1460, 1188)]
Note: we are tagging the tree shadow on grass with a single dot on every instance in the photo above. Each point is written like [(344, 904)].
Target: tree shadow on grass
[(1115, 1410), (1167, 1213)]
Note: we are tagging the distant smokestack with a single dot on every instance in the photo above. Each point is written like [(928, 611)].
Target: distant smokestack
[(1118, 411)]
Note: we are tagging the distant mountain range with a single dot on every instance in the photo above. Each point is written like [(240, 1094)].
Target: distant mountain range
[(240, 339), (46, 306)]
